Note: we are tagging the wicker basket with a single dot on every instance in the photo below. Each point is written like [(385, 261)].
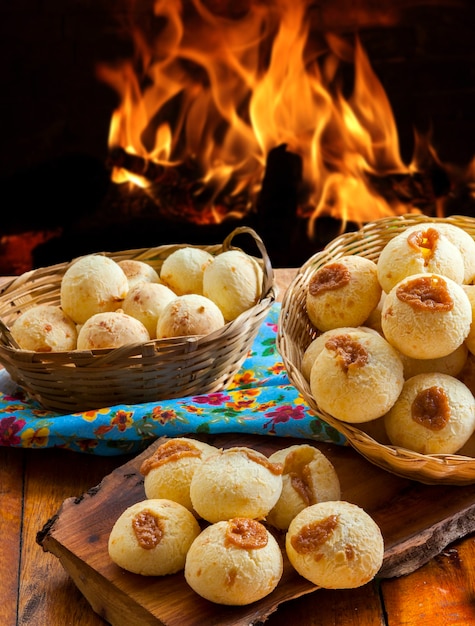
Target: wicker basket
[(76, 381), (296, 332)]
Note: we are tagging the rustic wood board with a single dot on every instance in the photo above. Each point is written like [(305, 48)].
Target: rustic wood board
[(417, 521)]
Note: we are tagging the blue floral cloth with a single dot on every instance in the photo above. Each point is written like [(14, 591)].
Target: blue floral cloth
[(260, 400)]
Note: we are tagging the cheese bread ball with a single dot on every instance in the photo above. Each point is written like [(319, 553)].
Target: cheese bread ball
[(234, 562), (234, 282), (419, 250), (191, 314), (183, 270), (146, 301), (343, 293), (357, 376), (426, 316), (92, 284), (308, 477), (138, 271), (111, 330), (335, 545), (237, 482), (451, 364), (435, 414), (152, 537), (461, 240), (315, 347), (44, 328), (169, 470)]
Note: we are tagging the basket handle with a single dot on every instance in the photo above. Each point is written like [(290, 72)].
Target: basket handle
[(268, 273)]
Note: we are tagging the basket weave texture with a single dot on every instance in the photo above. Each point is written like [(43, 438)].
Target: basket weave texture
[(77, 381), (296, 332)]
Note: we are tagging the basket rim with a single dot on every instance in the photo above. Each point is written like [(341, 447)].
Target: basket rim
[(455, 469), (190, 342), (156, 369)]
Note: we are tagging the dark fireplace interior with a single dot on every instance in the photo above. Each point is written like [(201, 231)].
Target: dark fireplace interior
[(59, 200)]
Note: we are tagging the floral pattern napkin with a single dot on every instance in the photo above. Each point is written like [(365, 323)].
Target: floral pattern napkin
[(260, 400)]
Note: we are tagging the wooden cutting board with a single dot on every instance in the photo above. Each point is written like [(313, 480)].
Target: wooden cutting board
[(417, 521)]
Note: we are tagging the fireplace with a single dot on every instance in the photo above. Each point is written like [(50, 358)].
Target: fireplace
[(61, 90)]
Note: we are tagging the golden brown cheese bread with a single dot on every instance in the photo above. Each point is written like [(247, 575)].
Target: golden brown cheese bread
[(191, 314), (317, 345), (92, 284), (461, 240), (169, 470), (183, 270), (308, 477), (152, 537), (138, 271), (111, 329), (234, 282), (234, 562), (145, 301), (236, 482), (451, 364), (418, 250), (426, 316), (357, 376), (45, 328), (435, 414), (335, 545), (343, 293)]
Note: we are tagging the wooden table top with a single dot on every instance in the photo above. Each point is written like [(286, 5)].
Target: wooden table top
[(37, 590)]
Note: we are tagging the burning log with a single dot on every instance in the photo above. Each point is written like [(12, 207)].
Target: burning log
[(186, 172), (278, 216), (282, 207), (178, 189), (461, 200), (416, 189), (281, 185)]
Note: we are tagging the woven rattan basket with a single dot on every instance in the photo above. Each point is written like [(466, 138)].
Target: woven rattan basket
[(296, 332), (75, 381)]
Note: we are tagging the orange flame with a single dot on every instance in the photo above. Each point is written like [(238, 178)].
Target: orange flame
[(225, 91)]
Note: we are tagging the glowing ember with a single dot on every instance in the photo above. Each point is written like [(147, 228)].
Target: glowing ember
[(16, 250), (214, 94)]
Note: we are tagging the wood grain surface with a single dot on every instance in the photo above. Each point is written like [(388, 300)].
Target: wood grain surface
[(37, 589), (418, 521)]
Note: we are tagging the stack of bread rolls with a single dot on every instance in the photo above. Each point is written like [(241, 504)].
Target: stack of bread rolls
[(107, 304), (249, 509), (395, 343)]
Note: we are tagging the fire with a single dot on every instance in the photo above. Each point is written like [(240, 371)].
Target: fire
[(213, 93)]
